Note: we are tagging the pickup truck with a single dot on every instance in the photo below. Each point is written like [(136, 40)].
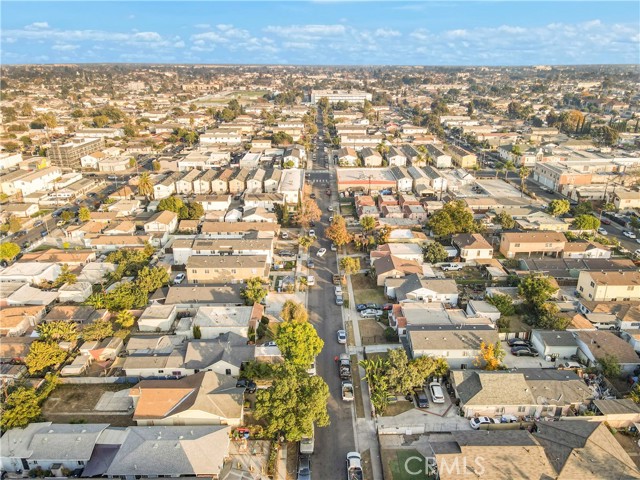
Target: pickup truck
[(354, 466), (347, 391), (344, 366)]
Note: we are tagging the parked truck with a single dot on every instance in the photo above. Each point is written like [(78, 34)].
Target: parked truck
[(347, 391), (354, 466), (344, 366)]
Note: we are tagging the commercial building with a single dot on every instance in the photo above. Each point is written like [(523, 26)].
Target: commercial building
[(68, 155), (335, 96)]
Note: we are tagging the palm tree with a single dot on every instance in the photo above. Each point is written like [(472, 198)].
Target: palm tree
[(145, 187), (524, 173), (508, 167)]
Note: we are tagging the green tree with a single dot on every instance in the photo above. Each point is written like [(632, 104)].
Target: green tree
[(254, 291), (125, 296), (84, 214), (607, 136), (282, 138), (586, 222), (400, 377), (125, 319), (368, 223), (337, 232), (308, 211), (299, 342), (156, 166), (100, 121), (548, 317), (66, 276), (558, 207), (427, 366), (67, 216), (195, 211), (508, 166), (504, 303), (58, 331), (21, 407), (583, 208), (14, 224), (98, 330), (305, 241), (350, 265), (172, 203), (44, 355), (505, 220), (294, 312), (434, 253), (523, 173), (145, 187), (610, 366), (8, 251), (383, 235), (11, 146), (294, 402), (454, 217), (536, 289), (151, 279)]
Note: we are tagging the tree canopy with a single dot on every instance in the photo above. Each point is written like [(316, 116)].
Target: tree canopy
[(368, 223), (21, 407), (299, 342), (434, 253), (454, 217), (294, 311), (98, 330), (9, 250), (337, 232), (44, 355), (308, 211), (254, 291), (490, 356), (294, 402), (586, 222), (58, 331), (505, 220), (558, 207), (350, 265)]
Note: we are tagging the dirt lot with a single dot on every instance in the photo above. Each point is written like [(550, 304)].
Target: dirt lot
[(75, 403), (365, 289), (371, 332)]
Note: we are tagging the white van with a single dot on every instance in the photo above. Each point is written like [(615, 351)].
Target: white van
[(312, 369), (306, 444), (436, 392)]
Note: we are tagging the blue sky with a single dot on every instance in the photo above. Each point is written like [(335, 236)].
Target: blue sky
[(325, 32)]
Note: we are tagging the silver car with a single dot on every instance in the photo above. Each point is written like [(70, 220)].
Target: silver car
[(304, 467)]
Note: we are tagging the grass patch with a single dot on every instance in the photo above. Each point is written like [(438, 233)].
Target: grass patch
[(397, 459), (365, 289), (396, 408), (367, 470), (357, 386)]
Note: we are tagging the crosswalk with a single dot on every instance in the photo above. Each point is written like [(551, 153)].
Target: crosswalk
[(318, 180)]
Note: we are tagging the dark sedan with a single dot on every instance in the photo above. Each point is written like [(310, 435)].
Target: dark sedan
[(524, 352), (518, 342)]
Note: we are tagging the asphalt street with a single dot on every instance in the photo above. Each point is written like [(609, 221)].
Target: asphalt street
[(333, 442)]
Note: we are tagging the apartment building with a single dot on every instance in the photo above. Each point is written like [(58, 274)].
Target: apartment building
[(335, 96), (38, 181), (438, 157), (220, 136), (185, 248), (68, 155), (609, 286), (528, 243), (223, 269), (462, 158)]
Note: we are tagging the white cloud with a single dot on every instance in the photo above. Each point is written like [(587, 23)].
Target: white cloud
[(387, 33), (299, 45), (65, 47), (306, 32), (148, 36), (202, 26), (37, 26)]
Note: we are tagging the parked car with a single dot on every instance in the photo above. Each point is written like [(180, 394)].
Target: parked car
[(370, 313), (269, 344), (249, 385), (38, 223), (310, 263), (354, 466), (375, 306), (451, 266), (44, 233), (330, 208), (476, 422), (387, 306), (602, 231), (339, 300), (60, 223), (512, 342), (420, 397), (179, 279), (342, 336), (284, 235), (312, 196), (311, 280), (629, 234), (360, 307), (321, 252), (286, 253), (334, 248), (436, 392), (312, 233), (522, 351), (605, 221), (637, 252), (304, 468)]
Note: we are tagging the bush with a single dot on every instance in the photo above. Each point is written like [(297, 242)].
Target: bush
[(391, 335)]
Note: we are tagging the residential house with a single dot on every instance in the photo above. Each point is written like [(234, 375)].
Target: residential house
[(438, 157), (541, 221), (157, 318), (184, 185), (417, 288), (403, 178), (82, 315), (293, 156), (103, 350), (391, 266), (214, 321), (15, 349), (16, 321), (224, 355), (255, 181), (437, 181), (625, 200), (226, 268), (558, 344), (162, 222), (396, 157), (537, 243), (421, 181), (371, 157), (347, 157), (214, 203), (205, 398), (238, 181), (520, 155), (405, 251), (462, 158), (472, 246), (49, 446), (609, 286), (21, 210), (272, 180), (202, 184), (166, 187), (585, 249), (30, 272), (458, 346), (417, 213), (526, 392), (596, 345), (77, 292), (259, 214)]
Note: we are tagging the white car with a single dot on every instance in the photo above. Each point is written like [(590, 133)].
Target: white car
[(179, 279), (284, 235), (436, 392), (342, 336), (337, 290), (629, 234), (602, 231), (312, 233), (330, 208), (476, 422), (311, 280), (370, 313), (451, 266), (334, 248), (321, 252), (637, 253)]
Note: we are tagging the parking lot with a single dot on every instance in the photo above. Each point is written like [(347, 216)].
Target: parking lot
[(511, 361)]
